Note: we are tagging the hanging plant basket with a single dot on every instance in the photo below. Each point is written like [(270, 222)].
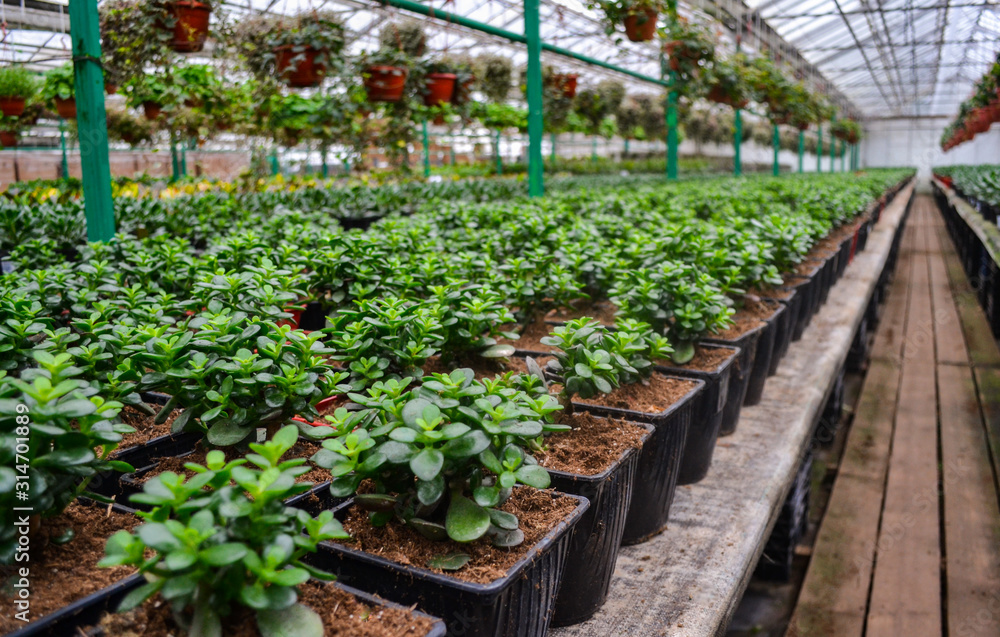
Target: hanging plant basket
[(12, 106), (8, 139), (66, 108), (641, 25), (110, 89), (305, 72), (566, 82), (190, 25), (385, 83), (152, 110), (440, 88)]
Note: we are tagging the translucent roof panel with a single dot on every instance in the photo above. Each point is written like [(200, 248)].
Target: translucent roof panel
[(892, 58)]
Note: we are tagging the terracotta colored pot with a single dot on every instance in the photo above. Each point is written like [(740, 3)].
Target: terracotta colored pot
[(66, 108), (152, 110), (718, 95), (8, 139), (323, 405), (440, 88), (385, 83), (190, 25), (305, 73), (641, 27), (566, 82), (12, 106), (110, 89)]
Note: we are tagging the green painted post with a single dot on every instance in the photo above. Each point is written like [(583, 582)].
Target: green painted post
[(425, 142), (275, 165), (776, 142), (843, 155), (64, 168), (672, 129), (593, 149), (451, 151), (833, 151), (175, 164), (536, 175), (802, 147), (819, 148), (738, 143), (553, 154), (626, 147), (497, 155), (184, 163), (323, 165), (88, 80)]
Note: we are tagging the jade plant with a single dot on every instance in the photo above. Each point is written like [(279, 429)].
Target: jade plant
[(57, 436), (224, 540), (442, 458), (17, 82)]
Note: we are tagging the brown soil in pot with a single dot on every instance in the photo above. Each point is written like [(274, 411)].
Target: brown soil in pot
[(750, 316), (145, 428), (538, 512), (302, 449), (652, 397), (592, 447), (771, 293), (343, 614), (706, 359), (531, 337), (64, 573), (603, 311), (482, 367)]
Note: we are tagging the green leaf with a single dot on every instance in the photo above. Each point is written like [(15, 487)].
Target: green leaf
[(503, 520), (225, 433), (140, 595), (223, 554), (158, 537), (506, 539), (430, 530), (498, 351), (375, 501), (683, 353), (533, 476), (430, 491), (427, 464), (449, 562), (294, 621), (466, 521)]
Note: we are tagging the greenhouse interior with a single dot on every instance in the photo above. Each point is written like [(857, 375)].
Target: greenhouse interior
[(406, 318)]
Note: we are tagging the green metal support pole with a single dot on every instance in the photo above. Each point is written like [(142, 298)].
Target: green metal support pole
[(64, 168), (533, 38), (802, 148), (275, 165), (88, 78), (843, 154), (626, 147), (451, 151), (175, 164), (552, 152), (427, 151), (833, 152), (324, 167), (593, 149), (819, 148), (497, 155), (184, 163), (776, 142), (671, 128), (738, 143)]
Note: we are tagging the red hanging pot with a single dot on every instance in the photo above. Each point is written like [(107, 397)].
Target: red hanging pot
[(440, 88), (190, 25), (12, 106), (385, 83), (8, 139), (567, 83), (641, 25), (306, 72), (110, 89), (152, 110), (66, 108)]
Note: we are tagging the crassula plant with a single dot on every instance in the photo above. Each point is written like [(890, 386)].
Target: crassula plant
[(57, 435), (441, 457), (17, 81), (677, 300), (224, 539)]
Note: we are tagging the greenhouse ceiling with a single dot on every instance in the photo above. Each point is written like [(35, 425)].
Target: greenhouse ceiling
[(874, 58)]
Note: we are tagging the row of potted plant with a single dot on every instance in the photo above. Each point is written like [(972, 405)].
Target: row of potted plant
[(184, 322), (978, 113)]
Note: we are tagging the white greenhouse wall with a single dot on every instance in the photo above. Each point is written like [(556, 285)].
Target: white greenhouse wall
[(916, 142)]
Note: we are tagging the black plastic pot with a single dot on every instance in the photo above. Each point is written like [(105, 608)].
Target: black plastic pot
[(766, 350), (593, 549), (143, 458), (707, 417), (659, 461), (313, 317), (360, 223), (786, 326), (739, 378), (806, 292), (516, 605)]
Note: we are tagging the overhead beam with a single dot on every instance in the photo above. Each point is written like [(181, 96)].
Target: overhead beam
[(915, 9)]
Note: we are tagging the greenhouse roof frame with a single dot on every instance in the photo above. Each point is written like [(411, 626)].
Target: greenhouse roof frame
[(872, 57)]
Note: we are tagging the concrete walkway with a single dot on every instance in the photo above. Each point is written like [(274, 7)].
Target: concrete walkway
[(910, 543)]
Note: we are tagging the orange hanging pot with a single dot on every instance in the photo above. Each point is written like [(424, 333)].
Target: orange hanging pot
[(12, 106), (566, 82), (66, 108), (152, 109), (439, 89), (306, 72), (640, 26), (385, 83), (190, 25), (8, 139)]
